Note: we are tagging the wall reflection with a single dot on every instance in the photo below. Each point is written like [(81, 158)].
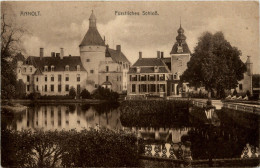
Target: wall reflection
[(67, 117)]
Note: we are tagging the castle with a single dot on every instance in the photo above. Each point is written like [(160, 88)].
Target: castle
[(97, 65)]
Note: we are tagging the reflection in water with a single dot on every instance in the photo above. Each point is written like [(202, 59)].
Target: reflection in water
[(58, 117)]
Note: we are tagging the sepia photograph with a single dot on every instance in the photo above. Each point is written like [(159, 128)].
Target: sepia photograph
[(130, 84)]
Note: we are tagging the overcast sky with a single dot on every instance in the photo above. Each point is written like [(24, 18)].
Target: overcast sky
[(64, 24)]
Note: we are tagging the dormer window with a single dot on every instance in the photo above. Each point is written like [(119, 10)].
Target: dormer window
[(52, 68), (67, 68), (78, 68), (46, 68), (156, 69), (138, 69)]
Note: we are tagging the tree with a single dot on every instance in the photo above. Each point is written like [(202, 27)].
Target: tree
[(85, 94), (72, 92), (11, 35), (214, 64)]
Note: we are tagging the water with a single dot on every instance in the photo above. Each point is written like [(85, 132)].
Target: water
[(225, 137)]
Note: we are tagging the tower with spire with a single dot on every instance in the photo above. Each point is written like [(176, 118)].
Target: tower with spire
[(180, 54), (92, 50)]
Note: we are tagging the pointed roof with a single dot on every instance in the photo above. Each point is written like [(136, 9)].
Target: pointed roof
[(116, 56), (92, 36), (180, 46)]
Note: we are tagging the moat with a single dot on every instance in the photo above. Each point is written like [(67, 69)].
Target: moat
[(226, 137)]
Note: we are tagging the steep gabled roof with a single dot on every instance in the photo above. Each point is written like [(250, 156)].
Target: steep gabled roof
[(58, 63), (92, 37), (149, 62), (167, 61), (117, 56)]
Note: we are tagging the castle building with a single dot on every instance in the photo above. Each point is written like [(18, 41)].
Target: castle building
[(148, 76), (97, 65), (166, 71)]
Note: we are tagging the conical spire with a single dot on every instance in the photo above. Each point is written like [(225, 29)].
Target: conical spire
[(92, 20)]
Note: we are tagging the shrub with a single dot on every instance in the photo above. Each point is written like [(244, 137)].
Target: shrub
[(87, 148), (72, 92), (105, 94), (235, 92), (85, 94), (34, 95)]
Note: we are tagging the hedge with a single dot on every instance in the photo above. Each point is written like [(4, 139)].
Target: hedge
[(87, 148), (154, 113)]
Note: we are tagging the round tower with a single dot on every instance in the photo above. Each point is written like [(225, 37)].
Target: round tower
[(92, 51)]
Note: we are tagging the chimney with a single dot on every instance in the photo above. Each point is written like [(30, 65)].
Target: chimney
[(61, 53), (41, 53), (162, 54), (118, 48), (57, 55), (140, 55), (52, 54), (158, 54)]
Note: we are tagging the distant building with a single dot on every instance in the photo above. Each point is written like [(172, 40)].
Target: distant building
[(167, 71), (97, 65), (148, 76)]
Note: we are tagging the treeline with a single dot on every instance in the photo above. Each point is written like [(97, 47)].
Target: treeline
[(87, 148)]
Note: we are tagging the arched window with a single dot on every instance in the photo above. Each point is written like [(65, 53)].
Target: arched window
[(46, 68), (78, 67), (52, 68), (67, 68)]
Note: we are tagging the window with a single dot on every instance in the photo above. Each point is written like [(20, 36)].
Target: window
[(37, 79), (96, 85), (46, 68), (24, 69), (133, 88), (240, 87), (119, 78), (107, 68), (162, 77), (179, 63), (87, 60), (37, 88), (59, 78), (133, 77), (52, 68), (67, 77), (142, 88), (67, 68), (92, 71), (19, 71), (162, 88), (46, 88), (152, 88), (28, 88), (52, 78), (78, 68), (143, 77), (67, 88), (28, 78), (52, 88), (152, 78), (106, 78), (78, 77), (78, 89), (59, 88), (30, 69), (46, 78)]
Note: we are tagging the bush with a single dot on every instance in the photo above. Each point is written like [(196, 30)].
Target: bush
[(72, 92), (85, 94), (34, 95), (235, 92), (105, 94), (87, 148)]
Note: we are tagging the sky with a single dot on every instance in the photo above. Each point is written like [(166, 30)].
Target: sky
[(64, 24)]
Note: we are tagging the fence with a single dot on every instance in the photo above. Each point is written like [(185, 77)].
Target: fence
[(245, 108)]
